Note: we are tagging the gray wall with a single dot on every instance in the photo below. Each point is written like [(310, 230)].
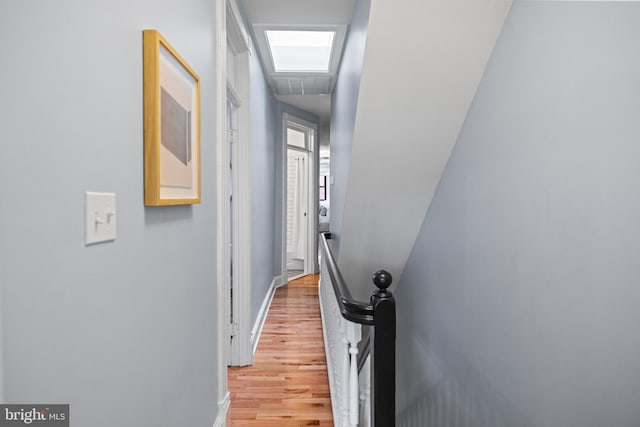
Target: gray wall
[(125, 331), (281, 109), (344, 104), (519, 303), (263, 182)]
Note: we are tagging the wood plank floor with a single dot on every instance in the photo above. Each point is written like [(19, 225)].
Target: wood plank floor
[(287, 384)]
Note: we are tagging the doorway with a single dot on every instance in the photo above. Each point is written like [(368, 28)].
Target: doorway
[(297, 215), (300, 201)]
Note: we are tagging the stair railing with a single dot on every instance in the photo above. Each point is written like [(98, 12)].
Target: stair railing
[(342, 319)]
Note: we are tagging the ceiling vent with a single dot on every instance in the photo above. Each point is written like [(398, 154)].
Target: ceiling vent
[(302, 86)]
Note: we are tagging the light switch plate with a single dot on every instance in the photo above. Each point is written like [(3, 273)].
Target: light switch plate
[(100, 217)]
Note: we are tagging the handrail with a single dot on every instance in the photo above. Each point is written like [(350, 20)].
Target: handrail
[(355, 311), (380, 313)]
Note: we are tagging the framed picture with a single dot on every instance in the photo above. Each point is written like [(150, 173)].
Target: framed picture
[(171, 125)]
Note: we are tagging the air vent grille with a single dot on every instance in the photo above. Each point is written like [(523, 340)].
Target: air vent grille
[(302, 86)]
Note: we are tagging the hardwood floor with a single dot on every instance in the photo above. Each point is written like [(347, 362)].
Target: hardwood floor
[(287, 384)]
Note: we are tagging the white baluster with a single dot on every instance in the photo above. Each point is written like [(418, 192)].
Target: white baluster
[(354, 334), (345, 378), (365, 393)]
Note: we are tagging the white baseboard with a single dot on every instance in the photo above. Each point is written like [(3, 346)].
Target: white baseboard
[(264, 310), (223, 408), (278, 280)]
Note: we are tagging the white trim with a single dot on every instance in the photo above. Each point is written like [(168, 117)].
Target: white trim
[(236, 32), (256, 332), (223, 408), (267, 59), (241, 347), (222, 247)]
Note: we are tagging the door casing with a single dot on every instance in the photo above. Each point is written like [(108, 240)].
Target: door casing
[(237, 223), (311, 255)]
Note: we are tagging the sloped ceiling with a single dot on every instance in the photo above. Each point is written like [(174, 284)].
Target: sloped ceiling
[(422, 65)]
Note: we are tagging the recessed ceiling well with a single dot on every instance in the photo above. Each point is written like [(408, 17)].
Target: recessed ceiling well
[(300, 44)]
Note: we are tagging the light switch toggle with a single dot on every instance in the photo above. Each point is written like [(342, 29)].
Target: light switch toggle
[(100, 217)]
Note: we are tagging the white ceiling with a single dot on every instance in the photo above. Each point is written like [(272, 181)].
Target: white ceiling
[(299, 12), (320, 105), (306, 12)]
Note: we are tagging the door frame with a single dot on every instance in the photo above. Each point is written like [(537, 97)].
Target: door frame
[(239, 332), (240, 347), (228, 26), (311, 256), (222, 224), (307, 156)]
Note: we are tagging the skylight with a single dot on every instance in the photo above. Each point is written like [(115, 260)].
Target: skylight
[(302, 51)]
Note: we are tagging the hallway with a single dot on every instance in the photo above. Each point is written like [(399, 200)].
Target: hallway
[(287, 384)]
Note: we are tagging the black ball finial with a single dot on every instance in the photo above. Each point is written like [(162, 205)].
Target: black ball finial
[(382, 279)]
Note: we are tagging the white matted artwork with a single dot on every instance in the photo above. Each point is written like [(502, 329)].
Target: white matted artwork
[(172, 125)]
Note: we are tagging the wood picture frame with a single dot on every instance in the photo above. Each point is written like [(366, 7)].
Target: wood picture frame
[(171, 125)]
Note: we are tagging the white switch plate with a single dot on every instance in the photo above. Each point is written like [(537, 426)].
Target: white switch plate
[(100, 217)]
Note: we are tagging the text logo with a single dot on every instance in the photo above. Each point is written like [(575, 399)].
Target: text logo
[(34, 415)]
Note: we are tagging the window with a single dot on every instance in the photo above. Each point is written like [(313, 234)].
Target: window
[(304, 51), (297, 138)]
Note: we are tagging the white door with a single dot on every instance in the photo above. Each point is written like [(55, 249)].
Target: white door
[(232, 134)]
